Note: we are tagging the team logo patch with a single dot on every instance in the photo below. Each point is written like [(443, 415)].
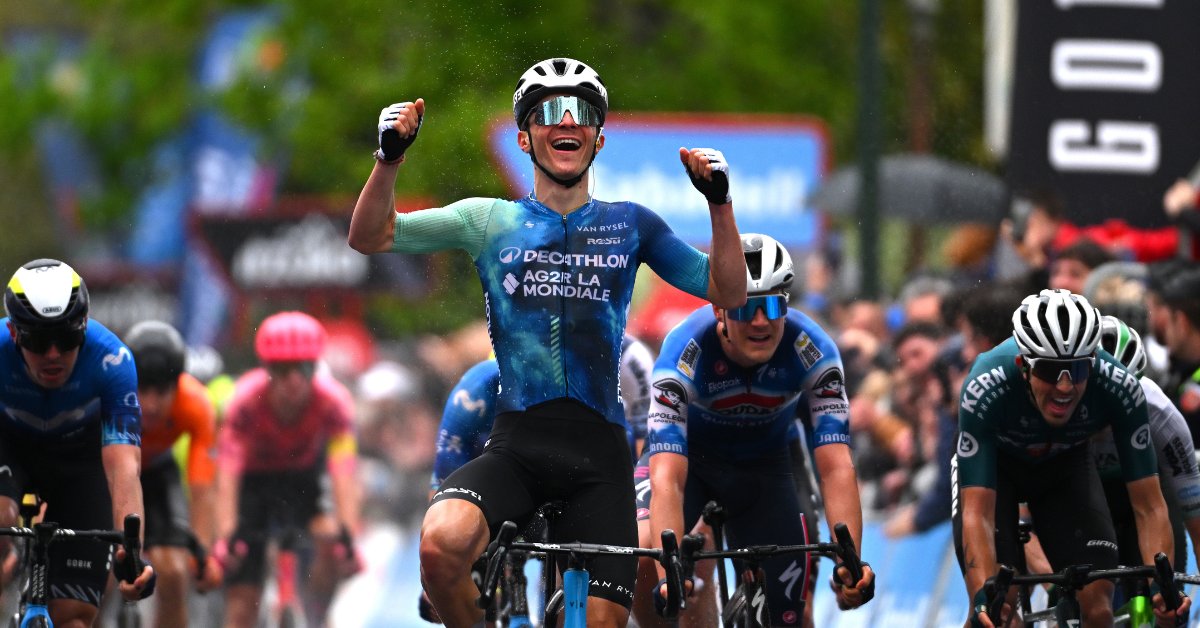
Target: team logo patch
[(1141, 437), (808, 352), (831, 384), (688, 359), (670, 393), (115, 359), (720, 367), (967, 445), (510, 254)]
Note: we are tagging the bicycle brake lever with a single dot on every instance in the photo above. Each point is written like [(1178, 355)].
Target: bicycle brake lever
[(997, 588), (847, 552), (132, 542), (495, 553), (671, 563), (1164, 575)]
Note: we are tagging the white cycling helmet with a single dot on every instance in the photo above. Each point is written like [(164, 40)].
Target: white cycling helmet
[(558, 76), (768, 265), (1056, 324), (1124, 343)]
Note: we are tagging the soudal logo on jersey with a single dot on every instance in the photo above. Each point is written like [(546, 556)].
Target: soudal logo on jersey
[(830, 384), (687, 359), (671, 394), (808, 352), (748, 403)]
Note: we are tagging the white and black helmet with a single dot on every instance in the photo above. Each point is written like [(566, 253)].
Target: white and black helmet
[(768, 265), (558, 76), (1124, 343), (1056, 324)]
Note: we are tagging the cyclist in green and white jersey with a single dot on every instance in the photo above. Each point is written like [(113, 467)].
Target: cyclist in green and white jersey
[(1027, 412)]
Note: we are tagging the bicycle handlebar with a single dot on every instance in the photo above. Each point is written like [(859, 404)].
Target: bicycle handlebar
[(1075, 577), (132, 541), (495, 559), (130, 538), (997, 588), (843, 549)]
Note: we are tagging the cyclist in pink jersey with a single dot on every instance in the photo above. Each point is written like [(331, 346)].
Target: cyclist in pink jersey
[(286, 427)]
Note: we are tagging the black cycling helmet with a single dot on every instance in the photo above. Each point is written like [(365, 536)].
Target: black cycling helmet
[(159, 354), (558, 76), (47, 295)]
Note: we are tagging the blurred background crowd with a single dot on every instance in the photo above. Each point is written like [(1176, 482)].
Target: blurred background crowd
[(935, 163)]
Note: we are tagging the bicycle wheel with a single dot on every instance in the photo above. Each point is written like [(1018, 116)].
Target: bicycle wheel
[(130, 616)]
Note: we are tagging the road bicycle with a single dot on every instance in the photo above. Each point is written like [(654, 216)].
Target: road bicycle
[(746, 606), (571, 599), (33, 610), (1068, 582)]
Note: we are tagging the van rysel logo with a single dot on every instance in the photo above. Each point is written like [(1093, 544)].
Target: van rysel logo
[(510, 254)]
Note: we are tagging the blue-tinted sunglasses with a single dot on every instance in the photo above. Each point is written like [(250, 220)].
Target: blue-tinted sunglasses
[(1051, 370), (552, 111), (773, 306)]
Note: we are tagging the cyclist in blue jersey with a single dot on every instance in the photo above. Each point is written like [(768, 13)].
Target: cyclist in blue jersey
[(557, 269), (727, 389), (1027, 412), (70, 431)]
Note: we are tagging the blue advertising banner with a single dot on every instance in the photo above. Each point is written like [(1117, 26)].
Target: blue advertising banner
[(776, 163)]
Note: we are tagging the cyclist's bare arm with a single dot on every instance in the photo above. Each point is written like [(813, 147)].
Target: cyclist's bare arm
[(979, 536), (1150, 515), (347, 498), (668, 476), (839, 488), (123, 466), (374, 218), (226, 499)]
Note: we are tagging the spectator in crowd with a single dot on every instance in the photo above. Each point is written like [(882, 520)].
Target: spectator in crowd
[(921, 299), (397, 429), (1158, 315), (1071, 266), (1181, 295)]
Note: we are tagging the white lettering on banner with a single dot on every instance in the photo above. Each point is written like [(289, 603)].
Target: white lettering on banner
[(1107, 65), (667, 191), (310, 252), (1119, 146)]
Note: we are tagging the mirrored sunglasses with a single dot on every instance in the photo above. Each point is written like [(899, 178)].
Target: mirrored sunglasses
[(282, 369), (773, 306), (552, 111), (40, 340), (1051, 370)]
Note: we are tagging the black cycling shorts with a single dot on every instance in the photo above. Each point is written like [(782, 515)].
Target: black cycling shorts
[(167, 521), (559, 451), (70, 479), (276, 505), (761, 508), (1066, 501)]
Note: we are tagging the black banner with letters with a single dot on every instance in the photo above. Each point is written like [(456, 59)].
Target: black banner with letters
[(1106, 104)]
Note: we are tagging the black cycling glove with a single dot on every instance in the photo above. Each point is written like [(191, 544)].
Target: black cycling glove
[(716, 190), (391, 145)]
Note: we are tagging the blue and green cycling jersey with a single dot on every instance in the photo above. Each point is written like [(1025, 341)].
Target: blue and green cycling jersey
[(557, 287), (101, 394), (996, 413)]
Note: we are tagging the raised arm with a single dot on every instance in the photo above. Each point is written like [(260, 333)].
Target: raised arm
[(374, 218), (727, 276)]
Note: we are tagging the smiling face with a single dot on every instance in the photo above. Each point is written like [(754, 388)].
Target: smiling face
[(565, 148)]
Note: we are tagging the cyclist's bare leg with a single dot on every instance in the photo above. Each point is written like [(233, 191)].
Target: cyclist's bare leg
[(170, 594), (454, 534), (241, 605), (323, 577), (10, 513), (72, 613), (1095, 603)]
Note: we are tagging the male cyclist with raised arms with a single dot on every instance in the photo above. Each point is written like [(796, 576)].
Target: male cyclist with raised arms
[(174, 404), (286, 427), (727, 388), (1027, 412), (557, 269), (70, 431)]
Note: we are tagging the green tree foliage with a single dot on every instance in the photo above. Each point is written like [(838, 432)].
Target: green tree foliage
[(324, 73)]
